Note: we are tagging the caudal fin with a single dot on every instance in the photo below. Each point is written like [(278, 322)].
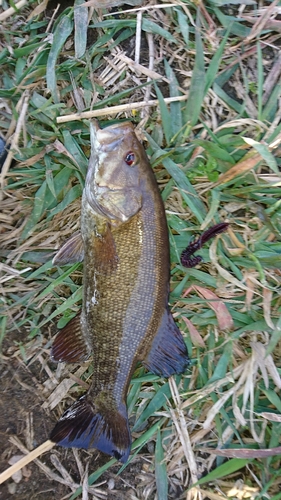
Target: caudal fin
[(83, 426)]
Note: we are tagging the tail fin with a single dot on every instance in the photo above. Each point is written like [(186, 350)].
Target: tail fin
[(83, 426)]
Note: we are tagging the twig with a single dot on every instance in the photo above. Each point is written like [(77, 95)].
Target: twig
[(138, 37), (137, 9), (116, 109), (9, 12), (48, 445)]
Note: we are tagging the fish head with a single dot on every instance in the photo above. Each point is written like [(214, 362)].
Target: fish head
[(113, 182)]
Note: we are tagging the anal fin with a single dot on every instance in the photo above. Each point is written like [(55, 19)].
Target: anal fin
[(168, 354), (71, 252), (69, 345)]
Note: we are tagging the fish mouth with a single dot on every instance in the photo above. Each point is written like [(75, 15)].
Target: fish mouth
[(102, 141), (107, 139)]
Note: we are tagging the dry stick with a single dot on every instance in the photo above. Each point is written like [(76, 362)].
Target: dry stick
[(137, 9), (138, 37), (116, 109), (48, 445), (9, 12)]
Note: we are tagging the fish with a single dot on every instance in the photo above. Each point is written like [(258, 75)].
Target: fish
[(125, 317)]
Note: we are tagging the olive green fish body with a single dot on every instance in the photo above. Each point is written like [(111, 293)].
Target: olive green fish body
[(125, 316)]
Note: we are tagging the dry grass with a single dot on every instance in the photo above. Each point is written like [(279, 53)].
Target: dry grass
[(214, 143)]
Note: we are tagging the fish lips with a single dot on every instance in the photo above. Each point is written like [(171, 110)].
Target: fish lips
[(105, 137), (108, 139)]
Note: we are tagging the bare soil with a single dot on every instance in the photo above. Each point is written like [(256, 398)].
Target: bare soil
[(23, 418)]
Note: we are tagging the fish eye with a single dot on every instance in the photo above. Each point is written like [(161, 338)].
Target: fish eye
[(130, 158)]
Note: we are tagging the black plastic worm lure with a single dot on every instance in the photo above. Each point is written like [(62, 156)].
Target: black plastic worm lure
[(186, 257)]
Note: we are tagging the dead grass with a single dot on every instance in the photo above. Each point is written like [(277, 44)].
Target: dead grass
[(214, 143)]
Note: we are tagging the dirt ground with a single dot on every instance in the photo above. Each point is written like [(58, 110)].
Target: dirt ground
[(27, 424)]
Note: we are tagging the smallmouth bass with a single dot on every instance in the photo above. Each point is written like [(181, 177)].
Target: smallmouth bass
[(125, 315)]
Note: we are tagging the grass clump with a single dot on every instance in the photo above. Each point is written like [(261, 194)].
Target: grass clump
[(215, 150)]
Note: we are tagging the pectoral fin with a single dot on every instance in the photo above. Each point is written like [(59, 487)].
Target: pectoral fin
[(105, 255), (71, 252), (69, 345), (168, 354)]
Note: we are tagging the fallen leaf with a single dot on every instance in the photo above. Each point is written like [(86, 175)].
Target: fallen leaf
[(195, 336), (224, 318)]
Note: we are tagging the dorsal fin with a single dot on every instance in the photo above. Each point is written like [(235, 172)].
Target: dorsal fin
[(168, 354), (69, 344)]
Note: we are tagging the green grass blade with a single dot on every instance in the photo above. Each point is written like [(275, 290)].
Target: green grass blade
[(175, 107), (223, 470), (188, 192), (183, 24), (74, 299), (212, 71), (236, 28), (74, 193), (81, 28), (75, 150), (215, 204), (152, 27), (58, 281), (239, 108), (260, 81), (272, 104), (50, 182), (273, 398), (263, 150), (275, 337), (165, 116), (62, 32), (222, 365), (197, 85), (215, 150), (159, 399), (38, 209), (160, 469)]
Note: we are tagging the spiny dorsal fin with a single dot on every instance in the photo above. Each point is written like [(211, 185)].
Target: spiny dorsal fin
[(168, 354), (69, 345), (71, 252), (85, 425)]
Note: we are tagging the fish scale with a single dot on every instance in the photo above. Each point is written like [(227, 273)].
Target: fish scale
[(125, 315)]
